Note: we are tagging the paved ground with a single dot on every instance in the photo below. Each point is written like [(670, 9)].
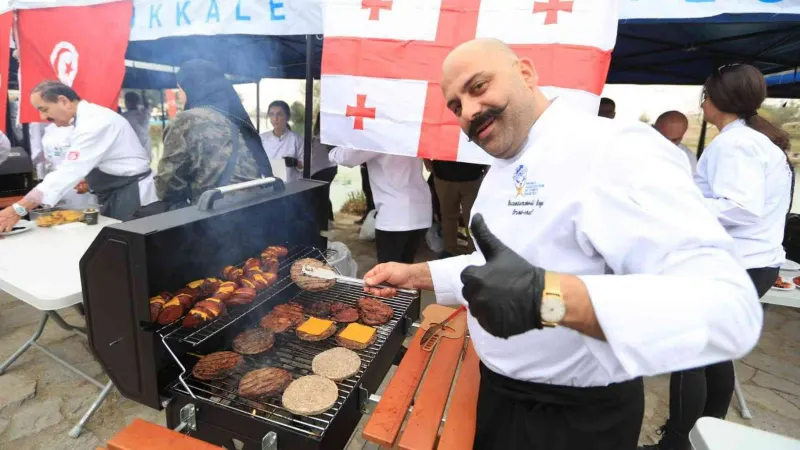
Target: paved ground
[(40, 400)]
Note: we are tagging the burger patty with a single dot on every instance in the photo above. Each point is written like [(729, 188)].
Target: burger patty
[(320, 309), (216, 366), (283, 317), (254, 341), (342, 313), (309, 283), (373, 311), (263, 383)]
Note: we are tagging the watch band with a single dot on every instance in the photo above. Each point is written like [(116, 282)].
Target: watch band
[(19, 210), (552, 283), (552, 288)]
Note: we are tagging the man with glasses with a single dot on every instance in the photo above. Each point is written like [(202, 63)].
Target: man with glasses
[(673, 126)]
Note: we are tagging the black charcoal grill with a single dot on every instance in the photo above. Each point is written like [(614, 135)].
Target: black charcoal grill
[(152, 365)]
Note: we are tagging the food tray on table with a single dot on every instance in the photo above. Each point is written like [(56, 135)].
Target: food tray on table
[(49, 217)]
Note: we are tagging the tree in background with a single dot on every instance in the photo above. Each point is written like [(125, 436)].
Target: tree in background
[(781, 115)]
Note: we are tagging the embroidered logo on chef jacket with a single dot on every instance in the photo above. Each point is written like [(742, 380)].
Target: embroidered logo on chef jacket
[(73, 156), (529, 190)]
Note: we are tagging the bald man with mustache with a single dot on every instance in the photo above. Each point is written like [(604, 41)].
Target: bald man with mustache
[(598, 264)]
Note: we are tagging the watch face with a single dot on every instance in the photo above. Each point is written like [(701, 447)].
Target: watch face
[(553, 309)]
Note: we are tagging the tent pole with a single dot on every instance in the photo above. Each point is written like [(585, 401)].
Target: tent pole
[(701, 144), (163, 111), (258, 106), (309, 106)]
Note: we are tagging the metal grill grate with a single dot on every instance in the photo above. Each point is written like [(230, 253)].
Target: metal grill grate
[(196, 336), (295, 355)]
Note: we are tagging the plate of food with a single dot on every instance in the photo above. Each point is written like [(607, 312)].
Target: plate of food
[(49, 217), (783, 285), (20, 227)]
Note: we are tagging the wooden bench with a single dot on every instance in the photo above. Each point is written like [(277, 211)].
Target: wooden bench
[(429, 396), (143, 435)]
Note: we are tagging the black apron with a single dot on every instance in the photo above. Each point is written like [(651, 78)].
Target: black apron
[(515, 414), (117, 195)]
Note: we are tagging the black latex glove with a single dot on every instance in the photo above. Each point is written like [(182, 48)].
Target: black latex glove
[(505, 295)]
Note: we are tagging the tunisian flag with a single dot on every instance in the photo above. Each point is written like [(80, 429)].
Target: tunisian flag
[(82, 46), (382, 63)]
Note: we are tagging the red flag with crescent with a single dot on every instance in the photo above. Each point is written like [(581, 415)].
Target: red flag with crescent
[(81, 46)]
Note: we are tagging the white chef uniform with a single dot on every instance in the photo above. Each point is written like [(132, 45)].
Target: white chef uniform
[(402, 197), (5, 147), (55, 144), (35, 134), (591, 197), (103, 140), (746, 182), (287, 145)]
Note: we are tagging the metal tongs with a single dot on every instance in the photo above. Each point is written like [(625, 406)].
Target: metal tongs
[(318, 272), (435, 328)]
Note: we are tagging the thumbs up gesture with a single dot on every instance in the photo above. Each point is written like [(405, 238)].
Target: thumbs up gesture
[(505, 294)]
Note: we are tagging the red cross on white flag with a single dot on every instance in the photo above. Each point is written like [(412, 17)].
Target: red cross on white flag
[(382, 60)]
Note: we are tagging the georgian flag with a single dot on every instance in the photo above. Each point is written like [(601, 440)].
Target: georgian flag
[(382, 59)]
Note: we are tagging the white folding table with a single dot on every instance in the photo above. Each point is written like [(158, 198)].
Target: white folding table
[(55, 251), (710, 433)]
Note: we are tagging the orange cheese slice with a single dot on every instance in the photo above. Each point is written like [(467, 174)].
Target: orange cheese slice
[(173, 302), (357, 333), (200, 313), (157, 299), (314, 326), (195, 284)]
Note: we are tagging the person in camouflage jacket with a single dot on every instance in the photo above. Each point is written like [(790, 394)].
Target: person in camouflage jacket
[(199, 141)]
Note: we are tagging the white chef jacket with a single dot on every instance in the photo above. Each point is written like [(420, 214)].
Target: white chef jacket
[(5, 147), (104, 140), (35, 134), (746, 183), (55, 145), (140, 122), (593, 197), (402, 197), (690, 156), (288, 145)]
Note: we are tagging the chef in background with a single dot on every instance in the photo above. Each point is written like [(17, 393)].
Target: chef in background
[(673, 126), (598, 264), (402, 200), (5, 147), (281, 143), (104, 151), (136, 113), (746, 180)]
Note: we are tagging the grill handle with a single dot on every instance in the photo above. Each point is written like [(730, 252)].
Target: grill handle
[(207, 199)]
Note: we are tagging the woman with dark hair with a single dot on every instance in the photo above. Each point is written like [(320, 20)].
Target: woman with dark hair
[(212, 142), (283, 143), (747, 181)]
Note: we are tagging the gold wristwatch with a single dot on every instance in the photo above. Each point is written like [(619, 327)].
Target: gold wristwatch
[(553, 308)]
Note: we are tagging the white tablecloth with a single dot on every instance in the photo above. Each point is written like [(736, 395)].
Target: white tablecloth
[(40, 267)]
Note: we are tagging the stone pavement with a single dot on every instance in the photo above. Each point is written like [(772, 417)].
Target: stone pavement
[(40, 400)]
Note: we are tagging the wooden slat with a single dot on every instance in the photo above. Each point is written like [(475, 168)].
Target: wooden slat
[(143, 435), (423, 423), (385, 422), (459, 427)]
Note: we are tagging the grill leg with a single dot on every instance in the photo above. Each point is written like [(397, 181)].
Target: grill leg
[(76, 430), (26, 345)]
